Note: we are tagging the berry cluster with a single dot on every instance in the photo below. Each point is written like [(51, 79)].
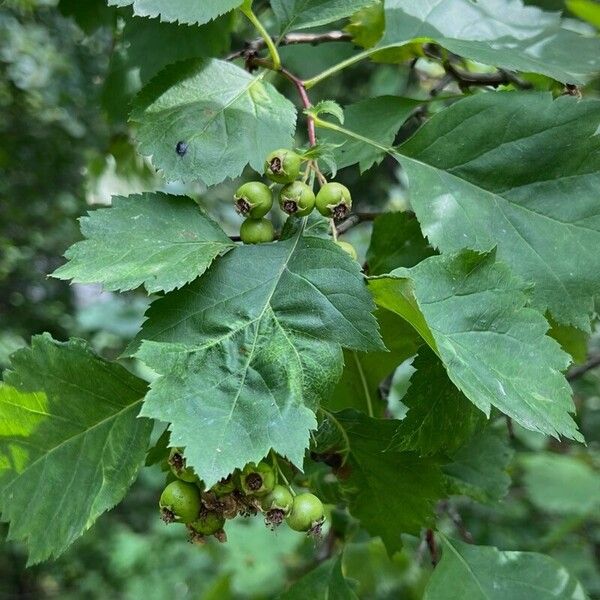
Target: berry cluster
[(244, 493), (254, 199)]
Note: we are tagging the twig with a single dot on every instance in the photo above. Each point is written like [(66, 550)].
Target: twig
[(577, 372), (355, 219), (510, 428), (456, 519), (258, 44), (431, 544), (467, 79)]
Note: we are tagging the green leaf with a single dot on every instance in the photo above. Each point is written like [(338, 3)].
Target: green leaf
[(223, 115), (182, 11), (365, 371), (396, 241), (301, 14), (389, 492), (155, 239), (367, 25), (561, 484), (440, 418), (572, 340), (509, 182), (325, 582), (379, 118), (526, 180), (248, 351), (511, 36), (486, 573), (70, 442), (326, 107), (588, 10), (152, 44), (89, 15), (471, 311), (479, 468)]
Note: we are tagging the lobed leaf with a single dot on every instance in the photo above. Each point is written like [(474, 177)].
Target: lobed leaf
[(154, 239), (247, 352), (503, 33), (183, 11), (70, 442), (207, 119), (471, 311)]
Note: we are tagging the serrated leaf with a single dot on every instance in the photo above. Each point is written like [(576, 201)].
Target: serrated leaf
[(70, 442), (325, 582), (485, 573), (301, 14), (183, 11), (525, 181), (247, 351), (471, 311), (379, 118), (389, 492), (440, 418), (151, 45), (365, 371), (207, 119), (561, 484), (494, 32), (479, 468), (367, 25), (329, 107), (154, 239), (396, 241)]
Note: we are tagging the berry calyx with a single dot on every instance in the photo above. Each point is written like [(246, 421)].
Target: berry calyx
[(306, 514), (208, 523), (334, 200), (297, 198), (283, 166), (257, 480), (253, 199), (180, 502), (349, 248), (178, 467), (276, 505), (257, 231)]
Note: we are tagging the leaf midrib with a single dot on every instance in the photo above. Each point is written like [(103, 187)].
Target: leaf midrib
[(69, 440)]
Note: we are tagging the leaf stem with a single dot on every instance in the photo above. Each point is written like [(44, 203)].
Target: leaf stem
[(280, 473), (247, 10), (365, 385), (309, 83)]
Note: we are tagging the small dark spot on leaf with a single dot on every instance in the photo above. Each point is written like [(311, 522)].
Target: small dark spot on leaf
[(181, 148)]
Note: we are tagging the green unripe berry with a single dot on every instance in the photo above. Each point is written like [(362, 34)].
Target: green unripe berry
[(253, 199), (280, 498), (306, 514), (178, 466), (257, 480), (297, 198), (257, 231), (208, 523), (180, 502), (283, 166), (349, 248), (334, 200)]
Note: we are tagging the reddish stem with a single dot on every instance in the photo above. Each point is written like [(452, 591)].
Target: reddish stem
[(312, 138)]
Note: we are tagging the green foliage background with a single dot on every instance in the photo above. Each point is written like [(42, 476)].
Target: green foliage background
[(67, 77)]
